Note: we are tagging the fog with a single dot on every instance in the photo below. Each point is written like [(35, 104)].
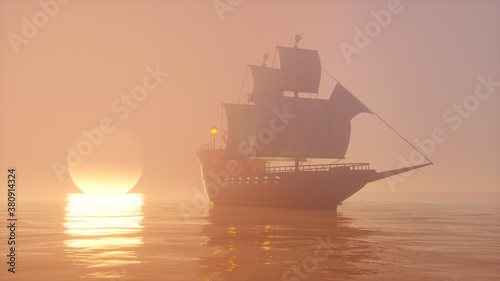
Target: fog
[(429, 68)]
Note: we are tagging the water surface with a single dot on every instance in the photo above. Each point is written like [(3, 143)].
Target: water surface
[(370, 238)]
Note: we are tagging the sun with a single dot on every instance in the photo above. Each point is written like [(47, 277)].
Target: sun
[(109, 163)]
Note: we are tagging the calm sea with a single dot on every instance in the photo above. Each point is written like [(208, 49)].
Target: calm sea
[(453, 237)]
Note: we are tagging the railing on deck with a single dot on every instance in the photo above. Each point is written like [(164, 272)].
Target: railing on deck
[(312, 168), (302, 168), (206, 146)]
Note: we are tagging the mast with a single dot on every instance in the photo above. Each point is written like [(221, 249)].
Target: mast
[(298, 37)]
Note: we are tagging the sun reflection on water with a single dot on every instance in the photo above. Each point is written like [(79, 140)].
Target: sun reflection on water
[(103, 229)]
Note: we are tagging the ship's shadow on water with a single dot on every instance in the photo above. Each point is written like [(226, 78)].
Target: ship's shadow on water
[(283, 244)]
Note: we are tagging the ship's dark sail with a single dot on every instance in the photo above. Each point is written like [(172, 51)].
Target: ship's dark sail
[(266, 81), (300, 68), (300, 71), (242, 130), (345, 104), (287, 127)]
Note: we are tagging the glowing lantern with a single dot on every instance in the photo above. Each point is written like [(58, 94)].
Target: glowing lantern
[(214, 133)]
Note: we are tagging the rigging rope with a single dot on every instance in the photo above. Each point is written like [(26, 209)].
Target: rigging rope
[(274, 57), (394, 130), (242, 85), (221, 125), (244, 79)]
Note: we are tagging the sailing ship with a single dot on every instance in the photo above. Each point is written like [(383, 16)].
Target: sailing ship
[(273, 126)]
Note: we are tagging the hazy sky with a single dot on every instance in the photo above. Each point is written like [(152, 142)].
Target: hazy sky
[(65, 67)]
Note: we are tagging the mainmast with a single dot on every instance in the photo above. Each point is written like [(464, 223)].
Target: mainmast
[(298, 37)]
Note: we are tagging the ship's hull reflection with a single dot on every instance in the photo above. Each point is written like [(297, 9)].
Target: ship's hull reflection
[(103, 231), (281, 244)]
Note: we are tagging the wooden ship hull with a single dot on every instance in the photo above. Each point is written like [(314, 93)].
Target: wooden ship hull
[(251, 183)]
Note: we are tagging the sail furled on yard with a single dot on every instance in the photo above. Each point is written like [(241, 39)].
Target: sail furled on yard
[(300, 71), (292, 127)]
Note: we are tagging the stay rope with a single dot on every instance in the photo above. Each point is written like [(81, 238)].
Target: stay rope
[(383, 121)]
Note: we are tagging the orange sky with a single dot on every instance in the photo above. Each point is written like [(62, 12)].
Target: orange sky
[(87, 54)]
